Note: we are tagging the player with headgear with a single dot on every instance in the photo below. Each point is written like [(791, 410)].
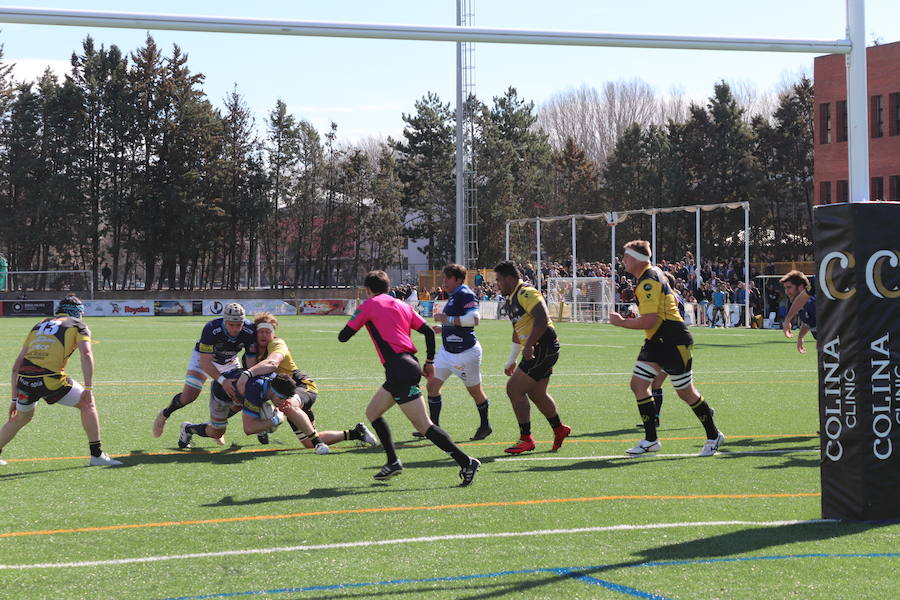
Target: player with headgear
[(39, 373), (215, 353)]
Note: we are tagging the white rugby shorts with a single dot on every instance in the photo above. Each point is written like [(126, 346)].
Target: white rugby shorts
[(466, 365)]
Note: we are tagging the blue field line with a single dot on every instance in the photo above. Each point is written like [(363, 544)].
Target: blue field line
[(576, 573), (572, 572)]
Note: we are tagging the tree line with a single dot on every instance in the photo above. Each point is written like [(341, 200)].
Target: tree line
[(126, 162)]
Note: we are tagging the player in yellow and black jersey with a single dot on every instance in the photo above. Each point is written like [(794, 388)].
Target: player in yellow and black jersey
[(39, 373), (668, 347), (534, 336)]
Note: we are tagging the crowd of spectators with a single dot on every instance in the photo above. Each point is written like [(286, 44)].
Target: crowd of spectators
[(715, 284)]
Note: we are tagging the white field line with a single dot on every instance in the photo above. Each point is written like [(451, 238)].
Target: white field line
[(651, 455), (400, 541), (556, 376)]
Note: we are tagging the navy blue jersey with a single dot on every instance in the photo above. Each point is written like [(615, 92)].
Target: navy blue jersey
[(215, 340), (456, 338), (256, 393), (680, 302), (808, 315)]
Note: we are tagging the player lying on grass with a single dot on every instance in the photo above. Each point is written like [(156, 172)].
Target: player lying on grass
[(215, 353), (274, 356), (389, 322), (39, 372), (667, 347)]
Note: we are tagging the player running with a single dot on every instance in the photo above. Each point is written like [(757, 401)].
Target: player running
[(803, 304), (39, 372), (460, 352), (389, 322), (667, 347), (215, 353), (535, 337)]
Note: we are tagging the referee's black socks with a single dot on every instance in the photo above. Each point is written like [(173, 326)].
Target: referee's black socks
[(434, 408), (442, 440), (383, 431), (647, 408), (705, 414)]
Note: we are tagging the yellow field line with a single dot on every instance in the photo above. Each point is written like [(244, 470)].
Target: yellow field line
[(360, 511), (263, 450)]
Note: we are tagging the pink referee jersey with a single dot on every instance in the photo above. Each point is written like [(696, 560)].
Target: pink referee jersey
[(389, 322)]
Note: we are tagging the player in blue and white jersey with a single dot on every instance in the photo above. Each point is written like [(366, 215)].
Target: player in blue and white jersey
[(215, 353), (803, 305), (460, 352)]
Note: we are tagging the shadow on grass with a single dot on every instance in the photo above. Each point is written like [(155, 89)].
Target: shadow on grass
[(313, 494), (732, 544), (12, 476)]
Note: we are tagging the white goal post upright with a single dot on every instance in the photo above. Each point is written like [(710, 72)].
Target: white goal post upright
[(614, 218)]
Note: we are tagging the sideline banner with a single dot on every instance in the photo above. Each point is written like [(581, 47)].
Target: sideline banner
[(214, 308), (324, 307), (118, 308), (857, 312), (26, 308), (169, 308)]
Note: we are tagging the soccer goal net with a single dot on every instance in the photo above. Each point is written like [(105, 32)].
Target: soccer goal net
[(76, 282), (580, 299)]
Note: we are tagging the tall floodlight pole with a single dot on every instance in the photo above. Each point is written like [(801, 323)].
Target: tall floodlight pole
[(857, 97)]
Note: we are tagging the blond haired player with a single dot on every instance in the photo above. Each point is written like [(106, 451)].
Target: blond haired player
[(668, 347)]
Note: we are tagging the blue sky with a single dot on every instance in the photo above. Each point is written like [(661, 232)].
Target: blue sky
[(365, 85)]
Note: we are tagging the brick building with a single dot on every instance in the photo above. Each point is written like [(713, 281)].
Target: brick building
[(830, 147)]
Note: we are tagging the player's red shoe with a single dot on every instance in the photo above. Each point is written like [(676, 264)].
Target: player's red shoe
[(525, 444), (559, 435)]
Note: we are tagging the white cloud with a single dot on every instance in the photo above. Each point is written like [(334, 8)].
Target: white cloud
[(31, 69)]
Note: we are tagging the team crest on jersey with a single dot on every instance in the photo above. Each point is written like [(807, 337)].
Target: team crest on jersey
[(647, 286)]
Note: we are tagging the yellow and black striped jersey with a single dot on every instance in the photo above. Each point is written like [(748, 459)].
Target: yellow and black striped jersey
[(519, 307), (654, 295), (50, 343), (287, 366)]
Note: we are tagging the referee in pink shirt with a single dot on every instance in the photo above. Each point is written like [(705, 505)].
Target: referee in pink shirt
[(389, 322)]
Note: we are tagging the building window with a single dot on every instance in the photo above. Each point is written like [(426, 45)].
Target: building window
[(825, 192), (876, 188), (877, 117), (894, 114), (825, 123), (843, 191), (841, 120), (894, 183)]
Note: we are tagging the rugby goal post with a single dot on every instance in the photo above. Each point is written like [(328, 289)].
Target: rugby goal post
[(580, 299), (79, 282)]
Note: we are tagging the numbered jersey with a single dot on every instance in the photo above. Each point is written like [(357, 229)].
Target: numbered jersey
[(519, 307), (50, 343)]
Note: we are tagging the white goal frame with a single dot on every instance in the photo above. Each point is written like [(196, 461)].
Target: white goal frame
[(853, 45)]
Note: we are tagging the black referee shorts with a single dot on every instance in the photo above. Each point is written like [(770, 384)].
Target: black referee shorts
[(402, 376)]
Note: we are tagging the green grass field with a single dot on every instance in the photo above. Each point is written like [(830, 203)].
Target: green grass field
[(275, 521)]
